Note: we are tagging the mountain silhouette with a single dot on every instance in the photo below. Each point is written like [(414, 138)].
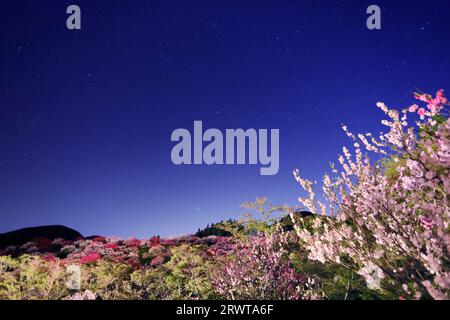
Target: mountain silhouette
[(22, 236)]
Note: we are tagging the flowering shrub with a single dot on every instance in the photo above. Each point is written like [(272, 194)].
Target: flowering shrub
[(107, 280), (93, 257), (111, 268), (259, 269), (389, 220)]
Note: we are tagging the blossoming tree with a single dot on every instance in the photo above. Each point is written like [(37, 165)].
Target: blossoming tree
[(389, 219)]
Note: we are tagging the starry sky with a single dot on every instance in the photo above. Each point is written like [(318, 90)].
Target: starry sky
[(86, 116)]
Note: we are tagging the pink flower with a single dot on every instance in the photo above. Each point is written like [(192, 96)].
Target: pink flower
[(421, 112), (426, 222), (168, 243), (111, 246), (133, 243), (90, 258), (50, 257), (156, 261), (429, 175), (433, 104), (155, 241), (132, 262), (440, 96), (423, 97), (413, 108), (433, 107)]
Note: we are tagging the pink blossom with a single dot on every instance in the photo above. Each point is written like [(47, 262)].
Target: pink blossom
[(155, 241), (156, 261), (49, 257), (402, 214), (413, 108), (421, 112), (260, 269), (90, 258), (423, 97), (133, 242), (99, 239)]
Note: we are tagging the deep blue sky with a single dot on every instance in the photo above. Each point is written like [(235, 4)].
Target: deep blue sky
[(86, 116)]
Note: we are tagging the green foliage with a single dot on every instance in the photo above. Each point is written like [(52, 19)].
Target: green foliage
[(188, 274), (335, 281), (149, 284), (30, 278), (108, 280), (390, 166), (215, 230), (10, 287), (147, 254), (261, 217)]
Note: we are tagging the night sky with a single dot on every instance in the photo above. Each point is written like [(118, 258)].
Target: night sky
[(86, 116)]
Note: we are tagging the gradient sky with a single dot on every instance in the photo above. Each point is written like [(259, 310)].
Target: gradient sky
[(86, 116)]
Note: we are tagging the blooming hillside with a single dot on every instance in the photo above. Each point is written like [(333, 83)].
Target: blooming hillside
[(181, 268)]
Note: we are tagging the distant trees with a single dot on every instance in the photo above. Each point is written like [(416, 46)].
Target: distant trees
[(216, 229)]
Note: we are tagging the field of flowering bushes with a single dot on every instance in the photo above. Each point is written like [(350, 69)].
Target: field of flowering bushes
[(381, 233), (182, 268)]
